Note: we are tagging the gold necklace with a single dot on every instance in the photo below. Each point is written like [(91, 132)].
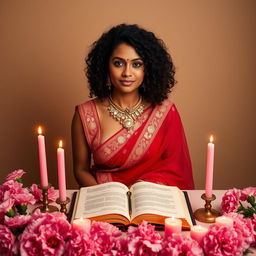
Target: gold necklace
[(126, 117)]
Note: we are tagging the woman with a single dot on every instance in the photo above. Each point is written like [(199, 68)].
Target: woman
[(130, 128)]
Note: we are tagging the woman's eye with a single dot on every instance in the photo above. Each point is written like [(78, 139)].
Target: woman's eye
[(118, 63), (137, 64)]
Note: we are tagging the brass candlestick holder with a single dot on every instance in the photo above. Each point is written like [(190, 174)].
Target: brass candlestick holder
[(46, 207), (207, 214), (63, 204)]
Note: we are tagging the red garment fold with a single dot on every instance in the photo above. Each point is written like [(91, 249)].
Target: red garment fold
[(156, 150)]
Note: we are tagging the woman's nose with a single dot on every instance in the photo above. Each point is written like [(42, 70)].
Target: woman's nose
[(127, 71)]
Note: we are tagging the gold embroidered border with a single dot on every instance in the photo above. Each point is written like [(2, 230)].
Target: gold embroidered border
[(109, 148), (89, 117), (149, 132)]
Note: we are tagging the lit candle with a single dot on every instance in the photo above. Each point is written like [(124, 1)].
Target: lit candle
[(81, 224), (42, 158), (209, 168), (224, 221), (172, 225), (61, 172), (198, 232)]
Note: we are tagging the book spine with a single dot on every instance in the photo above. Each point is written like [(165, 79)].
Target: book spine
[(129, 202)]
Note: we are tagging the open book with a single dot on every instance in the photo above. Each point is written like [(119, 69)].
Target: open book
[(115, 203)]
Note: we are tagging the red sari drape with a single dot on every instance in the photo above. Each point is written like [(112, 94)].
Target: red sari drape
[(154, 150)]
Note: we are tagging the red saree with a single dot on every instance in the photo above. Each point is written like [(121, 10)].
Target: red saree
[(154, 150)]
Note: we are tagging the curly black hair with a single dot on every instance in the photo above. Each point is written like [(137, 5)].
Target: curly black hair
[(158, 66)]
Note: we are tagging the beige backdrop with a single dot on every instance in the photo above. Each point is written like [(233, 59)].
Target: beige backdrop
[(43, 44)]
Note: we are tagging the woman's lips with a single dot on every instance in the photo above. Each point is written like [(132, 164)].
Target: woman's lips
[(126, 82)]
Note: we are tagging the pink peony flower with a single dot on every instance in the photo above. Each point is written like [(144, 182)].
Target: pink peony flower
[(6, 205), (104, 227), (180, 244), (7, 242), (17, 174), (250, 191), (143, 240), (24, 198), (1, 194), (13, 187), (245, 227), (2, 214), (17, 221), (122, 247), (223, 241), (45, 234), (37, 193), (254, 229), (79, 244), (230, 200), (101, 239)]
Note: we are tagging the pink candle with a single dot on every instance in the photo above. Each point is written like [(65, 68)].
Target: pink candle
[(198, 232), (81, 224), (209, 168), (61, 172), (42, 159), (172, 225), (224, 221)]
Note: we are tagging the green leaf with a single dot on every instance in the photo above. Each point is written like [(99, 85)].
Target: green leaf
[(247, 251), (22, 209), (251, 200), (240, 208), (19, 180), (10, 213)]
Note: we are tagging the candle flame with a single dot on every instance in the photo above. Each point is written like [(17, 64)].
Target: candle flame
[(60, 144), (211, 138), (39, 130)]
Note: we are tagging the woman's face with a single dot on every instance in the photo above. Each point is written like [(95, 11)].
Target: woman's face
[(126, 69)]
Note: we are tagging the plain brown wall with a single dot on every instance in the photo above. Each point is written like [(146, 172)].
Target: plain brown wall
[(43, 44)]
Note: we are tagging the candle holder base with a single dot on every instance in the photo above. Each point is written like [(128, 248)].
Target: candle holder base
[(63, 204), (46, 207), (49, 208), (207, 214)]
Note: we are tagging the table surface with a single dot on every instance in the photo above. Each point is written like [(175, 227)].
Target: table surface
[(196, 203)]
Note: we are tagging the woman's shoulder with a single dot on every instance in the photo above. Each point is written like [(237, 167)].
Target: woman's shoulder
[(169, 107), (95, 101), (86, 103), (168, 104)]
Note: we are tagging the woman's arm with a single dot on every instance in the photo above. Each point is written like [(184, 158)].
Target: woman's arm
[(81, 154)]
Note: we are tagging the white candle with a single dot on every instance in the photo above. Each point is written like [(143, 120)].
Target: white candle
[(61, 172), (172, 225), (82, 224), (198, 232), (224, 221), (42, 158), (209, 168)]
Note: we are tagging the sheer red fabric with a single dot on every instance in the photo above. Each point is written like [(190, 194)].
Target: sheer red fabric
[(155, 150)]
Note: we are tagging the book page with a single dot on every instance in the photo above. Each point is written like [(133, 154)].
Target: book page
[(157, 199), (107, 198)]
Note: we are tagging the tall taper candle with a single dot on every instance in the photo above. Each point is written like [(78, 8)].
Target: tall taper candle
[(61, 172), (209, 168), (42, 158)]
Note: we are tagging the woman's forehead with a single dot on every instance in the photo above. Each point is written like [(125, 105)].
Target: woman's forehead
[(125, 51)]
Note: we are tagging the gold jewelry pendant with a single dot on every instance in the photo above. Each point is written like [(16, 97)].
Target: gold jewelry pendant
[(127, 117)]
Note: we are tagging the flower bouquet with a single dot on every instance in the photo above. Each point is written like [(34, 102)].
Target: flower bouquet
[(29, 234)]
